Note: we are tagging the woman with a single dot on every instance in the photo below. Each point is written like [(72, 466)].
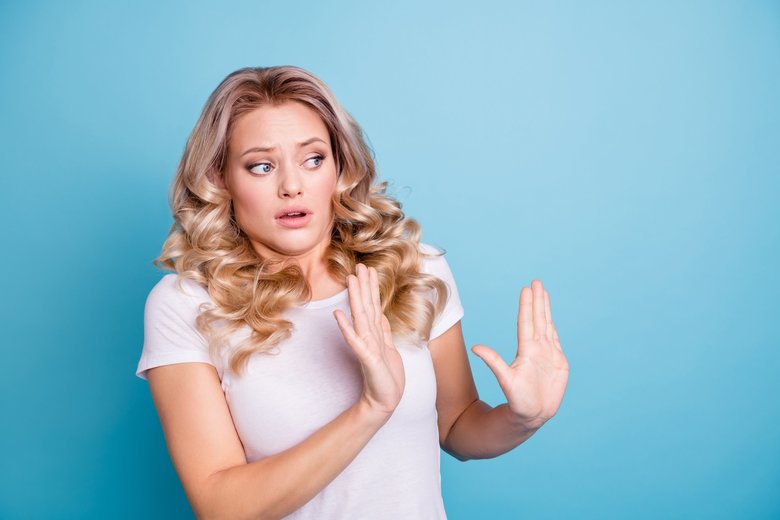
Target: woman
[(306, 359)]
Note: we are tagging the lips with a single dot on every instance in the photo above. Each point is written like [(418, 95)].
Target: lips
[(294, 210), (294, 217)]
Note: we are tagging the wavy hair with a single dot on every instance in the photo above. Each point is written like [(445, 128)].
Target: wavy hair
[(206, 245)]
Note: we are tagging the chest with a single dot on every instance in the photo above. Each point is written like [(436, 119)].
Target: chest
[(314, 376)]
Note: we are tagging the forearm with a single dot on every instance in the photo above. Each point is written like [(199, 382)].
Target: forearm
[(484, 432), (276, 486)]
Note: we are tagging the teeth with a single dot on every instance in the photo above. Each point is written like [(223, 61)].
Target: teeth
[(293, 214)]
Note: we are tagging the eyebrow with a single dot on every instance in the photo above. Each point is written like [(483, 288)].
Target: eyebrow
[(271, 148)]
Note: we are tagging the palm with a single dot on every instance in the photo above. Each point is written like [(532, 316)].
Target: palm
[(535, 382), (371, 338)]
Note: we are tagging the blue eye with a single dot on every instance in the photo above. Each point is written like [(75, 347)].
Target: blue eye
[(318, 159), (264, 167)]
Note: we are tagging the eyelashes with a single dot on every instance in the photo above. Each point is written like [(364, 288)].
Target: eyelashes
[(318, 158), (263, 168)]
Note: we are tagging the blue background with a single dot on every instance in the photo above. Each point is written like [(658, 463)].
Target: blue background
[(624, 153)]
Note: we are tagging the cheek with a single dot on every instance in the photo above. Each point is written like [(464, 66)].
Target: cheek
[(325, 188), (251, 203)]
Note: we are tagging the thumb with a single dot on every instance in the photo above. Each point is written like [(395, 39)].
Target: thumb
[(351, 337), (491, 359)]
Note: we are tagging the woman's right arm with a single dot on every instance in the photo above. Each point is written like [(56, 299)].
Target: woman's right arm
[(206, 450), (209, 458)]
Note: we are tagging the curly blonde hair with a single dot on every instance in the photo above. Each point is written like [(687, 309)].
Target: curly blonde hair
[(206, 245)]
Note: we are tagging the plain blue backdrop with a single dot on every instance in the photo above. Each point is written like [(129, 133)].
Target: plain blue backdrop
[(625, 153)]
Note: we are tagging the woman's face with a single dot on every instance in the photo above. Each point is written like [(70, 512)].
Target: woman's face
[(280, 161)]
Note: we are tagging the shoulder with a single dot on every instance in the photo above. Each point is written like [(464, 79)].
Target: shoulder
[(432, 261), (174, 285), (171, 333), (430, 250), (176, 293)]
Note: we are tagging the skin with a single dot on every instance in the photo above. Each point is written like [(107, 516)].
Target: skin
[(533, 383), (205, 447), (262, 182)]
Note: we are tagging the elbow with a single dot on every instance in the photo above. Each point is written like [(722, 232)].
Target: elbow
[(205, 503), (453, 453), (216, 512), (214, 502), (461, 458), (207, 509)]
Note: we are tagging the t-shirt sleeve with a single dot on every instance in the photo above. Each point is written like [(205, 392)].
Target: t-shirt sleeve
[(170, 334), (453, 310)]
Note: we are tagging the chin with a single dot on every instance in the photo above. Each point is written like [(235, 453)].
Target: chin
[(286, 249)]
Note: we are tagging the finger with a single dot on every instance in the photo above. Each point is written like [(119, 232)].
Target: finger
[(349, 333), (356, 306), (525, 325), (548, 315), (492, 360), (387, 332), (375, 296), (365, 292), (540, 322), (556, 339)]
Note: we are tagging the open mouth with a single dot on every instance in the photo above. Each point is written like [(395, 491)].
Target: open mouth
[(292, 216), (296, 216)]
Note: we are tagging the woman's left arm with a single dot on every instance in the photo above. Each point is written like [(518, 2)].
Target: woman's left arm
[(533, 384)]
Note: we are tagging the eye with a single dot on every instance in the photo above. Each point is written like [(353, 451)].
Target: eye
[(315, 161), (261, 168)]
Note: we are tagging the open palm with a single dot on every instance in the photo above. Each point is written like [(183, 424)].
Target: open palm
[(534, 383)]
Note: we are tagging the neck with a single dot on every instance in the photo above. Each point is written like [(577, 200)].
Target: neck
[(313, 265)]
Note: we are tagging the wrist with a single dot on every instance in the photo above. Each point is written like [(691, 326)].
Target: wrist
[(523, 423), (370, 414)]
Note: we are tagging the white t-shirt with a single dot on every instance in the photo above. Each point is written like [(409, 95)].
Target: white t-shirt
[(281, 399)]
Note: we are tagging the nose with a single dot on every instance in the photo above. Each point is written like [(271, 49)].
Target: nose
[(290, 182)]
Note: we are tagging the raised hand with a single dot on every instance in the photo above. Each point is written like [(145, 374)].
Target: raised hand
[(370, 338), (535, 381)]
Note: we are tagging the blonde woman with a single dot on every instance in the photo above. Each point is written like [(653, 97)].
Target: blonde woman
[(306, 357)]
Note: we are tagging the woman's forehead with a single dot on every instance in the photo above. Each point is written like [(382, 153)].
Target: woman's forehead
[(289, 123)]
